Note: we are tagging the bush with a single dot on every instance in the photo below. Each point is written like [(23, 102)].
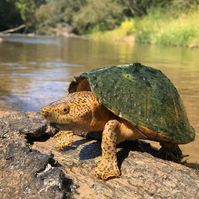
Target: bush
[(86, 16), (53, 13), (98, 15), (184, 6), (126, 28), (27, 9), (180, 36), (138, 8), (163, 28)]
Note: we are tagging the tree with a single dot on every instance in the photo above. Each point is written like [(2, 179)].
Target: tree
[(54, 13), (138, 8), (9, 15), (27, 9), (103, 15)]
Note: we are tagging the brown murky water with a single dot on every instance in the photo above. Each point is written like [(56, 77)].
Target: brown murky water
[(36, 70)]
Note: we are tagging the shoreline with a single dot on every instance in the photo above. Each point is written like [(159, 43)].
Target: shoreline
[(128, 39)]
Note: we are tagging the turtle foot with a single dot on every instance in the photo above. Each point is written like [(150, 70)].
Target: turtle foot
[(170, 152), (63, 139), (107, 169)]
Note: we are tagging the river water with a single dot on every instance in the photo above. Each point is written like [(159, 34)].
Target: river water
[(35, 71)]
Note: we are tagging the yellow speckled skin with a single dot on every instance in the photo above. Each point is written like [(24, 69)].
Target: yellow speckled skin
[(82, 111)]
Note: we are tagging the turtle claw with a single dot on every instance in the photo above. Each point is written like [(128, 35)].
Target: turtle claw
[(107, 169)]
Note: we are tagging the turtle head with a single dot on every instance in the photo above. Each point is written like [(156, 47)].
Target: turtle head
[(57, 112), (69, 113)]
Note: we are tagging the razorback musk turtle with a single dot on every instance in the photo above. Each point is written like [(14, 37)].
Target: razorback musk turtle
[(127, 102)]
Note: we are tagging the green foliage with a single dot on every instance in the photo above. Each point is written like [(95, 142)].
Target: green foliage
[(177, 37), (83, 16), (138, 8), (16, 12), (184, 6), (98, 15), (27, 9), (86, 16), (9, 15), (164, 22), (55, 13), (126, 28), (162, 28)]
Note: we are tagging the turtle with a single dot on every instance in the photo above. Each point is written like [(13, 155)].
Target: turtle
[(125, 102)]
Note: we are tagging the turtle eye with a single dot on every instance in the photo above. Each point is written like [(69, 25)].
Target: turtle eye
[(66, 109)]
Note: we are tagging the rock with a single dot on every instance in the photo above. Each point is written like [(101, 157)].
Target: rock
[(143, 176), (24, 172), (32, 123), (39, 171), (27, 173)]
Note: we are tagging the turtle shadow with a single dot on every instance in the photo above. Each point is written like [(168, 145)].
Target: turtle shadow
[(142, 146), (93, 150), (75, 145), (138, 145), (191, 165), (90, 151)]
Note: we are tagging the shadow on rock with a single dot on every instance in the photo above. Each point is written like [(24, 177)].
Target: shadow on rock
[(93, 149), (75, 145), (191, 165), (90, 151)]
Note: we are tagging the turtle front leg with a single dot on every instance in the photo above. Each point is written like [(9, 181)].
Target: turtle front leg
[(63, 139), (108, 166)]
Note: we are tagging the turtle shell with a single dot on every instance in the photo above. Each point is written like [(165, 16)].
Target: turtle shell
[(142, 95)]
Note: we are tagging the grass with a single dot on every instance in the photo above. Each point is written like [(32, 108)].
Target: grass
[(159, 27), (126, 28), (167, 29)]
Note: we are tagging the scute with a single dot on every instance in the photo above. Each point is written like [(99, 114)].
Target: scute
[(142, 95)]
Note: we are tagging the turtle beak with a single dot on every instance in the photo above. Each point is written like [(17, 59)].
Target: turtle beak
[(53, 125)]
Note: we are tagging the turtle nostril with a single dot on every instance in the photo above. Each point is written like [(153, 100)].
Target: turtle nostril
[(44, 112)]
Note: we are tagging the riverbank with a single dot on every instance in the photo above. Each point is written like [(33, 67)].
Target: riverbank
[(159, 27), (167, 23)]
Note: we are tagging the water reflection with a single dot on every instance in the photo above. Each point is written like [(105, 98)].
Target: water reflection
[(36, 71)]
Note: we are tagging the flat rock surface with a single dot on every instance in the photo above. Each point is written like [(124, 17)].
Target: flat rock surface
[(31, 167)]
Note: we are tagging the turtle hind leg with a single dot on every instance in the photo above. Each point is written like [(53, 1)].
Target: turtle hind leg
[(170, 151)]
